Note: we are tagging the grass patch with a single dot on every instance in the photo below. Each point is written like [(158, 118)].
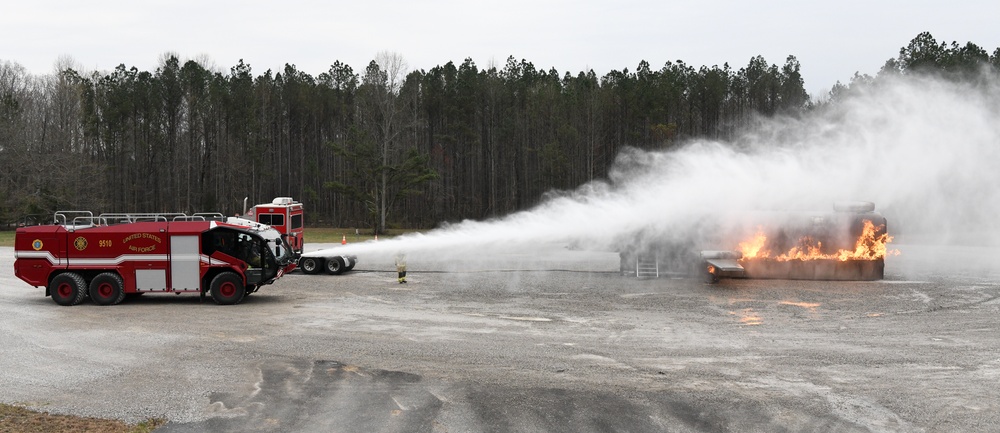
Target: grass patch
[(6, 238), (20, 420)]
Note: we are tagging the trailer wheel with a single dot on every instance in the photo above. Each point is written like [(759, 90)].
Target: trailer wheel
[(68, 288), (335, 265), (310, 265), (107, 289), (227, 289)]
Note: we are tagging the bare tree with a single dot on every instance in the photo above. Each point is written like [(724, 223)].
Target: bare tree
[(384, 78)]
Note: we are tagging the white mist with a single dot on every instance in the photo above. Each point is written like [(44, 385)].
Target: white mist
[(924, 151)]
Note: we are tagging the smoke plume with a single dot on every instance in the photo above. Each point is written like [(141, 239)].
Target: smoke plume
[(923, 150)]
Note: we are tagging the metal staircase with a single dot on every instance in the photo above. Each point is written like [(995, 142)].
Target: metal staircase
[(647, 267)]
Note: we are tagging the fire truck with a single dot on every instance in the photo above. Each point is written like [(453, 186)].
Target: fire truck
[(285, 215), (109, 256)]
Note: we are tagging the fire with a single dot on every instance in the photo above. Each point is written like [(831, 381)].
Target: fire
[(871, 245), (752, 248)]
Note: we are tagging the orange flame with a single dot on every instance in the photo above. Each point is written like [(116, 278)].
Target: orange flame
[(870, 246), (752, 248)]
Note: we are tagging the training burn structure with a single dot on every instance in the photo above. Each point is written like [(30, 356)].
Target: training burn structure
[(849, 244), (110, 256)]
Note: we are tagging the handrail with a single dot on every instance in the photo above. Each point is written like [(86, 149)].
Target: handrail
[(65, 214), (83, 219)]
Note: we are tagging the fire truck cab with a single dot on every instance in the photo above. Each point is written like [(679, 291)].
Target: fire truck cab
[(285, 216), (110, 256)]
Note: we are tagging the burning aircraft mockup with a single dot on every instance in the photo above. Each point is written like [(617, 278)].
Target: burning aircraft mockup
[(849, 244)]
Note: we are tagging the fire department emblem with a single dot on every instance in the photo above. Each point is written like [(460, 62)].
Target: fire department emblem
[(80, 243), (36, 244)]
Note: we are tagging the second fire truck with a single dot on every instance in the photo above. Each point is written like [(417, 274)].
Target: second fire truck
[(285, 215)]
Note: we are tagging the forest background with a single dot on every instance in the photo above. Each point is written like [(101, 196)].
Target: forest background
[(383, 147)]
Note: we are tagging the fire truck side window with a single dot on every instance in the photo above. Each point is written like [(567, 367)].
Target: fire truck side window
[(296, 221), (219, 240)]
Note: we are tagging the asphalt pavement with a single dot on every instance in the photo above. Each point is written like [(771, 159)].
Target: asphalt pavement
[(555, 340)]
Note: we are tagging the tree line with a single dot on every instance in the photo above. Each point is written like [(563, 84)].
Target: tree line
[(380, 147)]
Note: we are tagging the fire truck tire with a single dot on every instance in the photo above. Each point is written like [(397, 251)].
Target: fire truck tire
[(107, 289), (335, 265), (68, 288), (310, 265), (227, 289)]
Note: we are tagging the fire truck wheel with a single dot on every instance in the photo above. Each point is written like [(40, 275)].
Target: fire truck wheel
[(107, 289), (227, 289), (310, 265), (68, 289), (335, 265)]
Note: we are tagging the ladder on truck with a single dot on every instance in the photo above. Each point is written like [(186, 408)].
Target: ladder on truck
[(647, 266)]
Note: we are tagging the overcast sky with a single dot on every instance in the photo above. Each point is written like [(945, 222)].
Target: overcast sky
[(832, 40)]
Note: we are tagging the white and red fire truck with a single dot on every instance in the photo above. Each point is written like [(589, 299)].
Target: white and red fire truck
[(110, 256), (285, 215)]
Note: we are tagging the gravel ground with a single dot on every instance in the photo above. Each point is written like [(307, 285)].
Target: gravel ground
[(562, 344)]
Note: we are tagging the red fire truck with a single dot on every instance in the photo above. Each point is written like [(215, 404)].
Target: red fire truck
[(285, 215), (110, 256)]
